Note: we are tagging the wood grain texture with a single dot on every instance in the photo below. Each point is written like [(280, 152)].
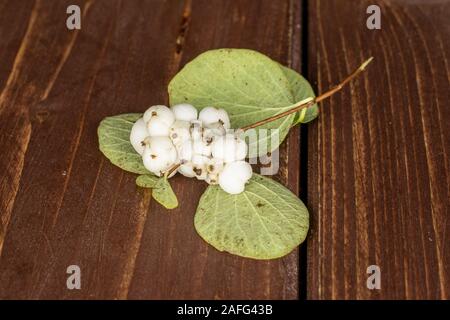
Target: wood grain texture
[(378, 156), (63, 203)]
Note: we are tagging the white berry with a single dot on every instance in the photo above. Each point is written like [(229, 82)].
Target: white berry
[(230, 185), (162, 112), (214, 166), (234, 176), (184, 112), (229, 148), (196, 130), (187, 170), (185, 151), (201, 147), (159, 119), (199, 166), (241, 149), (157, 128), (224, 118), (179, 132), (159, 155), (211, 115), (138, 134), (212, 131)]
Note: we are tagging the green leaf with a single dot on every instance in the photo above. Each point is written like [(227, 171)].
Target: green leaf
[(266, 221), (161, 190), (164, 194), (147, 181), (114, 141), (301, 89), (248, 84)]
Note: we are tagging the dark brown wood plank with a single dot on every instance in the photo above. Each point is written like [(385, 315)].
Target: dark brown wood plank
[(71, 206), (63, 203), (378, 179)]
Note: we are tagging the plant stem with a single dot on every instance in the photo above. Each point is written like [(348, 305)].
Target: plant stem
[(309, 102), (172, 169)]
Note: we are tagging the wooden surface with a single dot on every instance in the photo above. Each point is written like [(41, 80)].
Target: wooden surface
[(373, 169), (378, 156)]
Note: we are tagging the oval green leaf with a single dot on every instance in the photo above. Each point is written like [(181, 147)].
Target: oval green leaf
[(114, 142), (266, 221), (162, 191), (147, 181), (246, 83)]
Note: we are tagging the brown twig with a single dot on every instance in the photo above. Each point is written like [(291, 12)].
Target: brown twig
[(309, 102), (172, 169)]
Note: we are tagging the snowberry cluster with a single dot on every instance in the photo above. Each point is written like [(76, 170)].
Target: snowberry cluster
[(199, 144)]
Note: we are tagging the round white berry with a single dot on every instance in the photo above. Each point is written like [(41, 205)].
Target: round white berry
[(201, 147), (229, 148), (159, 155), (185, 151), (231, 185), (240, 150), (184, 112), (209, 115), (242, 169), (159, 119), (212, 131), (179, 132), (196, 130), (157, 128), (187, 170), (224, 118), (214, 166), (161, 112), (234, 176), (199, 166), (138, 134)]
